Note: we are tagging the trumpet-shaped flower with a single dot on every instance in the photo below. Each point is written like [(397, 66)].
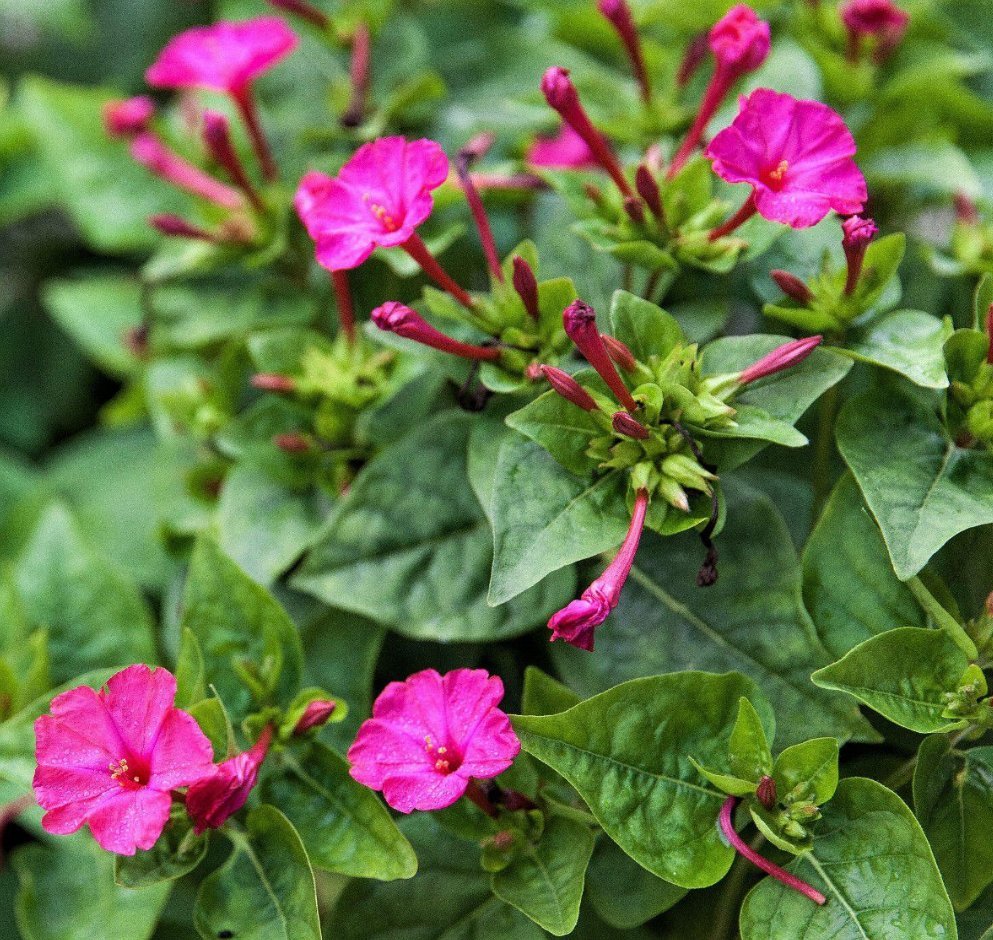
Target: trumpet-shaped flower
[(430, 735), (111, 758)]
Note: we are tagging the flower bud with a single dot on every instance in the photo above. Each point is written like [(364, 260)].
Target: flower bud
[(304, 10), (315, 715), (857, 233), (766, 792), (619, 352), (673, 494), (782, 357), (128, 118), (740, 40), (579, 320), (648, 189), (526, 285), (623, 423), (273, 382), (558, 89), (635, 209), (792, 286), (292, 443), (695, 53), (176, 226), (568, 388)]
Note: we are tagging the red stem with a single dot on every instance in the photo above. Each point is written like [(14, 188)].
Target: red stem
[(343, 299), (742, 848), (250, 115), (739, 218), (417, 250), (359, 74), (479, 216), (720, 83)]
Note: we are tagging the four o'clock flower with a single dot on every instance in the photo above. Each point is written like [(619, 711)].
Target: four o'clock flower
[(128, 118), (430, 736), (566, 151), (227, 57), (858, 232), (111, 758), (880, 21), (576, 621), (740, 44), (212, 801), (395, 317), (796, 156), (561, 94), (377, 200)]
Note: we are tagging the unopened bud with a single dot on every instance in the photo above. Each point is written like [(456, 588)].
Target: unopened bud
[(687, 471), (176, 226), (273, 382), (315, 715), (292, 443), (128, 118), (619, 352), (635, 209), (966, 211), (569, 388), (858, 232), (792, 287), (695, 53), (673, 494), (304, 10), (477, 147), (782, 357), (558, 89), (648, 189), (766, 792), (623, 423), (526, 285), (135, 340)]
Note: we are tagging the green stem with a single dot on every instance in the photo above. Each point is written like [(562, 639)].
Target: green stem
[(827, 412), (942, 617)]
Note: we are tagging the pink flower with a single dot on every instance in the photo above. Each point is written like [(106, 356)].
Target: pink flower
[(782, 357), (212, 801), (566, 151), (377, 199), (576, 622), (225, 57), (740, 41), (127, 118), (796, 155), (111, 758), (430, 735)]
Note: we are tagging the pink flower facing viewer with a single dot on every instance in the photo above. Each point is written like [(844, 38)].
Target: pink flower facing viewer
[(111, 758), (881, 22), (576, 622), (212, 801), (796, 156), (431, 735), (377, 200), (227, 57), (740, 44), (566, 151)]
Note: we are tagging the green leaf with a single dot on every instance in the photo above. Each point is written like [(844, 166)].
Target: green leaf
[(240, 628), (545, 881), (343, 825), (544, 695), (410, 547), (920, 486), (450, 897), (872, 861), (626, 751), (849, 587), (176, 854), (265, 890), (67, 892), (953, 801), (94, 614), (904, 675), (623, 893), (748, 749), (751, 620), (545, 517), (814, 763), (646, 329), (784, 395), (908, 342)]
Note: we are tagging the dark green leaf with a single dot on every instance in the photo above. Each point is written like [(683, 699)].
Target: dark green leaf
[(907, 342), (176, 854), (814, 763), (646, 329)]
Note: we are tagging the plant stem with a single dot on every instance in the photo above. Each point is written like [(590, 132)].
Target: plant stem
[(942, 617)]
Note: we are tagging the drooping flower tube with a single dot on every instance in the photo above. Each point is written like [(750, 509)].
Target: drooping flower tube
[(740, 44), (377, 200), (431, 736), (213, 801), (395, 317), (110, 759), (576, 622), (881, 22), (227, 57), (796, 155), (565, 151)]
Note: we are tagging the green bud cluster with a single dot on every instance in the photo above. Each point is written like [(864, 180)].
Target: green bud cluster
[(975, 400)]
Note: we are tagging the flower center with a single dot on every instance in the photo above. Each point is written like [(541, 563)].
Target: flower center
[(446, 757), (128, 773), (774, 178), (381, 214)]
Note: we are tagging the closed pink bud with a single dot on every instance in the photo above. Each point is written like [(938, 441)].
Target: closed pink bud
[(579, 320), (966, 210), (619, 14), (128, 118), (623, 423), (692, 59), (558, 89), (635, 209), (273, 382), (526, 285), (395, 317), (789, 354), (858, 232), (766, 792), (292, 443), (304, 10), (176, 226), (740, 40), (792, 286), (648, 189), (568, 388), (315, 715), (619, 352)]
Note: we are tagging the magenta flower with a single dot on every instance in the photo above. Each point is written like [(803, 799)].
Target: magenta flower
[(566, 151), (212, 801), (431, 735), (576, 622), (377, 199), (111, 759), (227, 57), (128, 118), (797, 157)]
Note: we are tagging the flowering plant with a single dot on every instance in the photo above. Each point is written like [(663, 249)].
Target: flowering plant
[(530, 472)]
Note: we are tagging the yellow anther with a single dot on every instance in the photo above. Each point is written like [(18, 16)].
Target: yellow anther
[(776, 175)]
